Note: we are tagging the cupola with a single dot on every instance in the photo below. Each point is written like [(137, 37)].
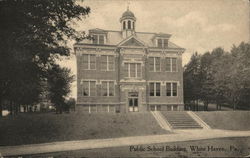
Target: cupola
[(127, 23)]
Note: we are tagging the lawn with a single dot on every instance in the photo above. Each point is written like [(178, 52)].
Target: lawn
[(49, 127), (229, 120), (242, 145)]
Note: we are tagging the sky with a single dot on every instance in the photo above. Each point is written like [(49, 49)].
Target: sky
[(196, 25)]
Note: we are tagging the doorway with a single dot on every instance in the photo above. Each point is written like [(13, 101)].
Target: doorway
[(133, 102)]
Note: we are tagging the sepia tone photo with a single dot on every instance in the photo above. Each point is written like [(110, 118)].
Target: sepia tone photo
[(124, 78)]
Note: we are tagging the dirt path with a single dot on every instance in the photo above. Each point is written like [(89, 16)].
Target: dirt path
[(179, 135)]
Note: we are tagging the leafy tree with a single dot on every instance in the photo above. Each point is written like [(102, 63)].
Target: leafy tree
[(192, 84), (33, 35), (59, 80)]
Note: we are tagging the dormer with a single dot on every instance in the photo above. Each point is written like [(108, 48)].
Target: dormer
[(99, 36), (160, 40)]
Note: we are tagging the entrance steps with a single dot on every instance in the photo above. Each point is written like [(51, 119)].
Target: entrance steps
[(181, 120), (161, 120)]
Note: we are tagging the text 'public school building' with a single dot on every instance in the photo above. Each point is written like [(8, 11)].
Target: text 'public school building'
[(129, 71)]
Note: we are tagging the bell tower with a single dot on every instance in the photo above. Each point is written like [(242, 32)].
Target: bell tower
[(127, 23)]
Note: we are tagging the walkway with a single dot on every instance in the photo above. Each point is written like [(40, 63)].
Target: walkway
[(179, 135)]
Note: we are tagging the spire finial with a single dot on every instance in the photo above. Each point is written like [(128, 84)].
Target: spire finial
[(128, 5)]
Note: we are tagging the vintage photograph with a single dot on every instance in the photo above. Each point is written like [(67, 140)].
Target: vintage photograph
[(124, 78)]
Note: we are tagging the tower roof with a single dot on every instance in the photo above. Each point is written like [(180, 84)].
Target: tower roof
[(128, 15)]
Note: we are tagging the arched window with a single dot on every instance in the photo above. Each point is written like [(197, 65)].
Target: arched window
[(133, 25), (129, 24), (124, 25)]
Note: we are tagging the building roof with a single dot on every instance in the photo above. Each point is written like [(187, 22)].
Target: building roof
[(128, 13), (115, 37)]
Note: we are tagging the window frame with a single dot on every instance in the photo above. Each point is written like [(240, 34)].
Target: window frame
[(171, 64), (154, 89), (98, 39), (108, 61), (171, 89), (154, 64), (162, 43), (89, 92), (107, 88), (137, 75), (88, 61)]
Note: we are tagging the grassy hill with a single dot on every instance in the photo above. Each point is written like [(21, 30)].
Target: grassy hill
[(229, 120), (49, 127)]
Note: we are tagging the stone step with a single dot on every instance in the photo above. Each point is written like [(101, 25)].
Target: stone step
[(181, 120)]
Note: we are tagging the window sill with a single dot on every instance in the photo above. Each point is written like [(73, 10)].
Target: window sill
[(108, 70), (88, 69)]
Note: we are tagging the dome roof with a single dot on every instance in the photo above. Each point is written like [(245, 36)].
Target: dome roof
[(128, 13)]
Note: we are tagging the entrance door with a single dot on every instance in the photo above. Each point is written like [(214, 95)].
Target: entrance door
[(133, 102)]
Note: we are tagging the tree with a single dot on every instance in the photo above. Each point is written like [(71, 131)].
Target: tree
[(192, 84), (33, 33), (59, 80)]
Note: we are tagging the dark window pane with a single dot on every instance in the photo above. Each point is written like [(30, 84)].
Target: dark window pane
[(129, 24), (135, 102), (168, 86), (174, 89), (158, 89), (95, 38), (139, 70), (111, 88), (124, 25), (85, 88), (104, 88), (151, 89)]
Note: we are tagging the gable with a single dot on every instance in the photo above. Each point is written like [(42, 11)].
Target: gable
[(132, 42)]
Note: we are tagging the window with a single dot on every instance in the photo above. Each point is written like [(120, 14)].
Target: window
[(101, 39), (168, 87), (95, 39), (171, 89), (154, 64), (132, 70), (107, 62), (108, 88), (124, 25), (174, 85), (133, 25), (98, 39), (171, 64), (89, 61), (162, 43), (129, 24), (88, 88), (155, 89)]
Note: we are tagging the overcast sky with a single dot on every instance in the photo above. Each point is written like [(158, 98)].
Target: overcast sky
[(196, 25)]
